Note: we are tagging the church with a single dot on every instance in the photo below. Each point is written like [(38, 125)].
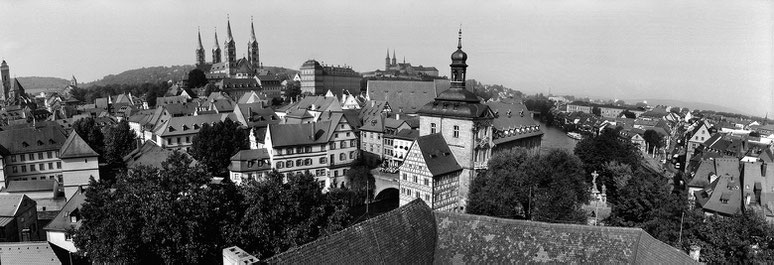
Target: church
[(237, 76)]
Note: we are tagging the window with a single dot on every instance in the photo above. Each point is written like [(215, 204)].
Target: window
[(323, 160), (456, 133), (417, 194), (347, 134), (405, 176), (342, 156), (48, 154), (32, 167), (416, 180), (279, 151), (343, 144), (42, 166), (427, 182), (352, 155), (300, 150), (68, 236), (178, 140), (188, 139), (352, 143), (335, 173), (32, 157), (280, 164), (427, 197), (40, 156), (333, 146), (169, 141), (289, 164), (335, 135), (23, 169), (15, 169), (299, 162), (60, 179), (290, 151), (13, 158), (308, 149), (307, 162), (432, 131), (58, 165)]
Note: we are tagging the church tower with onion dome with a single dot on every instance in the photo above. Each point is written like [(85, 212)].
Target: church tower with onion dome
[(463, 121)]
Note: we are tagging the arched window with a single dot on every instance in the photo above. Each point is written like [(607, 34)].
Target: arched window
[(307, 162), (289, 164), (456, 131), (280, 164), (432, 128)]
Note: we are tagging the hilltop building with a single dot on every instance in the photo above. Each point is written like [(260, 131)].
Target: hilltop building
[(393, 69)]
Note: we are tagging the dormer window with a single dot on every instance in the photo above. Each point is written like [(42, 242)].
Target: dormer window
[(171, 129), (25, 144), (40, 142), (51, 141)]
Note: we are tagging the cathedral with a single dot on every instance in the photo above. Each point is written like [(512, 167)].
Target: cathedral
[(13, 92), (237, 76)]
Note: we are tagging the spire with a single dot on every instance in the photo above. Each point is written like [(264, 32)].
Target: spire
[(199, 32), (217, 45), (388, 53), (459, 39), (393, 55), (252, 30), (229, 38)]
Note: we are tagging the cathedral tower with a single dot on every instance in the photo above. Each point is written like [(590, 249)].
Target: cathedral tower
[(199, 50), (216, 52), (394, 60), (230, 51), (387, 61), (252, 49), (5, 77)]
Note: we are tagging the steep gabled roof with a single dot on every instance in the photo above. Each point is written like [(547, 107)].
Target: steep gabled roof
[(75, 147), (10, 203), (62, 221), (47, 136), (438, 157), (300, 134), (406, 96)]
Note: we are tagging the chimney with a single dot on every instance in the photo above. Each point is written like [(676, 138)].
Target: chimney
[(249, 113), (695, 252), (397, 116)]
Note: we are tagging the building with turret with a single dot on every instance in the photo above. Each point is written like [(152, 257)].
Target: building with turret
[(465, 125), (404, 70)]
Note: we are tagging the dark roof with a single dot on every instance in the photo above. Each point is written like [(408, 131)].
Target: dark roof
[(75, 147), (9, 203), (414, 234), (62, 220), (402, 236), (250, 160), (513, 116), (406, 96), (300, 134), (149, 154), (457, 109), (184, 125), (48, 137), (255, 115), (405, 134), (438, 157)]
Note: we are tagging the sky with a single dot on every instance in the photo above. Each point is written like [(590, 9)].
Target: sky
[(717, 52)]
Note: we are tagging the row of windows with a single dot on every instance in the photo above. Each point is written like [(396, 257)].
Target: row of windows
[(417, 194), (32, 168), (372, 135), (308, 149), (31, 156), (416, 179), (178, 141), (58, 178), (308, 161)]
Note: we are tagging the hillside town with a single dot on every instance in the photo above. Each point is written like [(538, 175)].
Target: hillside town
[(241, 164)]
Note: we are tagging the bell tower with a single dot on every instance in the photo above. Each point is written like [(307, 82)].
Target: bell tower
[(387, 61), (252, 49), (216, 52), (6, 79), (199, 50), (230, 51)]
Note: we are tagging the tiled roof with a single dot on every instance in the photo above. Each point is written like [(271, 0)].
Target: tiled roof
[(255, 115), (406, 96), (464, 109), (405, 134), (438, 157), (414, 234), (62, 220), (250, 160), (300, 134), (513, 116), (75, 147), (9, 203), (149, 154), (27, 253), (402, 236), (48, 137), (49, 185), (315, 103), (722, 196), (188, 124)]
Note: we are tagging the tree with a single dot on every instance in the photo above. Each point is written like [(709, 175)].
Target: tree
[(214, 145), (280, 215), (606, 147), (638, 200), (517, 185), (88, 129), (171, 214), (629, 114), (653, 139), (596, 111), (120, 140), (292, 90), (361, 181), (196, 78)]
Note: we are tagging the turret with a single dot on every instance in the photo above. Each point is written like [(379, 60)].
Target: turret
[(252, 49), (230, 45), (458, 65), (5, 77)]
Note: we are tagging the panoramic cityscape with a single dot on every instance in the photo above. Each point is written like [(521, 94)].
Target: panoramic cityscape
[(443, 132)]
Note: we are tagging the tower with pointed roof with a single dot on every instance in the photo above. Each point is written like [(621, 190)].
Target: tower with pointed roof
[(74, 82), (230, 52), (5, 77), (216, 52), (466, 123), (199, 50), (252, 49), (394, 60), (387, 61)]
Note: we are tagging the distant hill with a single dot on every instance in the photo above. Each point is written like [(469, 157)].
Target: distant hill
[(36, 84), (685, 104), (159, 74)]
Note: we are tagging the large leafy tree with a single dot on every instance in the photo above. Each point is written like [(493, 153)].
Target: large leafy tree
[(597, 152), (214, 145), (120, 140), (361, 181), (639, 199), (283, 212), (170, 215), (196, 78), (653, 139), (517, 185), (91, 132)]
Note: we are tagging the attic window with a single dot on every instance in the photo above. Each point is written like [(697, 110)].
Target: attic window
[(51, 141), (25, 144), (171, 129), (185, 127), (196, 126)]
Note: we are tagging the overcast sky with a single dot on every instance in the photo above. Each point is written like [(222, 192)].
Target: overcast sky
[(717, 52)]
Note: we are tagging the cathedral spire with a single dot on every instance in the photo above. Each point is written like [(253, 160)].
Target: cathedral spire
[(388, 53), (199, 32), (229, 38), (252, 30), (459, 39)]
